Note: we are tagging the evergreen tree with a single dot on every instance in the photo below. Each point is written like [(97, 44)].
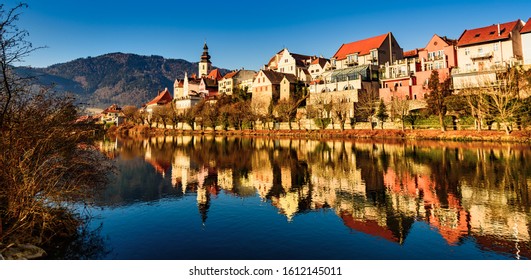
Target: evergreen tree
[(382, 114), (436, 98)]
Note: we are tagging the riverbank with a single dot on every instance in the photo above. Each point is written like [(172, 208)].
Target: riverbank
[(519, 136)]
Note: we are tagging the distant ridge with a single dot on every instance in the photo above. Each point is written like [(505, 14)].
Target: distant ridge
[(125, 79)]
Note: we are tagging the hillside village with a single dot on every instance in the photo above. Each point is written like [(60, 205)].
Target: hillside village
[(361, 74)]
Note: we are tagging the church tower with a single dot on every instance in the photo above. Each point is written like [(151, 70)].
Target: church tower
[(205, 65)]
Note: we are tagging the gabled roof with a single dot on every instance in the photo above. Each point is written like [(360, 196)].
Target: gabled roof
[(112, 109), (301, 59), (321, 61), (214, 75), (527, 27), (487, 34), (362, 47), (210, 83), (276, 77), (178, 83), (162, 98), (274, 59), (451, 42), (231, 74)]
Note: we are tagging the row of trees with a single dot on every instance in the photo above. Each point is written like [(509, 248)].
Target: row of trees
[(506, 101)]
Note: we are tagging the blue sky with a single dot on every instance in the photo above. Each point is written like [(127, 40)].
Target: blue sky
[(244, 33)]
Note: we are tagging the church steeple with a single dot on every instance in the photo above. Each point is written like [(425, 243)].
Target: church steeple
[(205, 64)]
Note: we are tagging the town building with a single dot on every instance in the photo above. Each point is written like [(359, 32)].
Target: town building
[(525, 34), (205, 66), (354, 70), (268, 88), (163, 98), (112, 114), (407, 78), (483, 53), (318, 66), (191, 90), (186, 92), (242, 79), (291, 63), (372, 51)]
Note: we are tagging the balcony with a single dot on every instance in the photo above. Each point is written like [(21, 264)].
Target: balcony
[(486, 55), (436, 57)]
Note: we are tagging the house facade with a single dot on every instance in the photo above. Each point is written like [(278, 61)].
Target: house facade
[(291, 63), (163, 97), (407, 78), (372, 51), (236, 79), (484, 52), (112, 114), (525, 35), (318, 66), (266, 90), (186, 92)]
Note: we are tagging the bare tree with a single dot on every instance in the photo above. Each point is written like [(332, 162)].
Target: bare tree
[(13, 49), (130, 113), (284, 111), (162, 114), (340, 112), (366, 106), (503, 99), (399, 110), (47, 161)]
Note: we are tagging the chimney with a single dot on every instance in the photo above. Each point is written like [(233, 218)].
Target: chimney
[(498, 29)]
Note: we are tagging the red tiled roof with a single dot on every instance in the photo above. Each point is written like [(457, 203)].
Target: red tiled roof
[(487, 34), (214, 75), (321, 61), (527, 27), (361, 47), (112, 109), (162, 98), (231, 74), (412, 53)]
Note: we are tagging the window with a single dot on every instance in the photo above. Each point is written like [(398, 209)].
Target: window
[(431, 55), (286, 60), (496, 46), (440, 53), (467, 51), (480, 51)]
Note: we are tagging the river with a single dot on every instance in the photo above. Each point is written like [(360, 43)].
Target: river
[(218, 198)]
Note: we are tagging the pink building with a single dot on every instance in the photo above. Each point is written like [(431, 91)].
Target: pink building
[(408, 78)]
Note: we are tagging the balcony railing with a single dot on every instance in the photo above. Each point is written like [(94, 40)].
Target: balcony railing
[(482, 55), (493, 68)]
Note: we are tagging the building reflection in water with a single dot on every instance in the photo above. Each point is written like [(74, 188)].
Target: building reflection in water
[(463, 191)]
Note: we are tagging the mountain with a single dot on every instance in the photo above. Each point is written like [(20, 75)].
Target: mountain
[(124, 79)]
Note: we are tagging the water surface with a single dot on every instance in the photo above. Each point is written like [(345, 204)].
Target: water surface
[(252, 198)]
